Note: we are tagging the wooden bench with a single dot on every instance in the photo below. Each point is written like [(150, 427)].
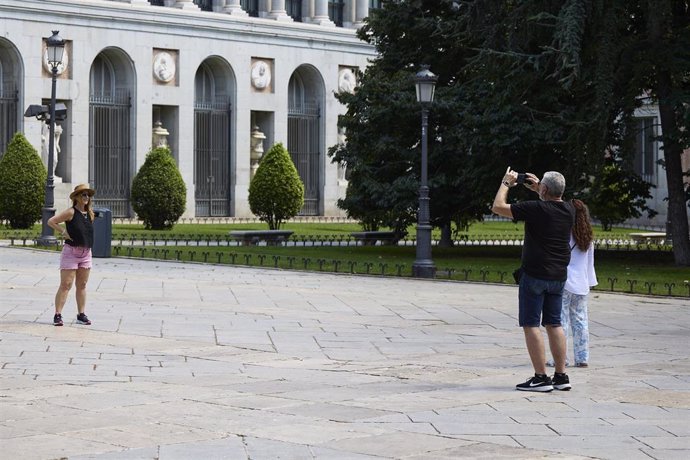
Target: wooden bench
[(648, 237), (254, 237), (371, 238)]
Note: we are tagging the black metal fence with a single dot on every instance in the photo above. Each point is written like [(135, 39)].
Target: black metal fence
[(218, 249)]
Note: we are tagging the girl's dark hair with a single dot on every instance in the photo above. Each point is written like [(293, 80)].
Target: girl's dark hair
[(582, 230)]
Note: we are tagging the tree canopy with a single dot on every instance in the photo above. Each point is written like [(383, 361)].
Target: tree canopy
[(533, 84)]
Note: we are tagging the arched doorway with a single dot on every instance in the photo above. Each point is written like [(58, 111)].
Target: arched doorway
[(111, 131), (305, 93), (10, 81), (213, 85)]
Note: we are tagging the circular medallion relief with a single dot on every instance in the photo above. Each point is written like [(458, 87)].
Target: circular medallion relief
[(60, 68), (346, 81), (164, 67), (261, 75)]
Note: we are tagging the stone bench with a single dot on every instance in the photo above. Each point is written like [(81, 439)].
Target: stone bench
[(254, 237), (371, 238), (648, 237)]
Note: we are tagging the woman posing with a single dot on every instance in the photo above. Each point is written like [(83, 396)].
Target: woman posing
[(75, 260)]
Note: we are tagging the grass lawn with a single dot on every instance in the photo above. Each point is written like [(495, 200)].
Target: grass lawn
[(642, 270), (645, 271)]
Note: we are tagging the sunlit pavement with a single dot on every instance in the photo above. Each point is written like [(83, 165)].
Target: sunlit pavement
[(195, 361)]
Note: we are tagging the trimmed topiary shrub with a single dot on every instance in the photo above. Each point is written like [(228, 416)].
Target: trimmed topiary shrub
[(276, 192), (159, 194), (22, 184)]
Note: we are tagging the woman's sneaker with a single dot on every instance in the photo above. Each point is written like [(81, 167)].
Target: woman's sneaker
[(561, 382), (57, 319), (537, 383), (82, 319)]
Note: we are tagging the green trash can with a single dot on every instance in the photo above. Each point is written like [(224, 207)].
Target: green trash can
[(102, 232)]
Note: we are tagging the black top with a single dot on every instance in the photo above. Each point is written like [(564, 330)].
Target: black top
[(548, 225), (80, 229)]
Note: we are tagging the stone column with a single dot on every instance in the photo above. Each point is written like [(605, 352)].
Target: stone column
[(234, 8), (186, 5), (278, 11), (361, 12), (321, 13)]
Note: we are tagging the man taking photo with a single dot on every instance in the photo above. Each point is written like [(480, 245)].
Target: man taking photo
[(545, 257)]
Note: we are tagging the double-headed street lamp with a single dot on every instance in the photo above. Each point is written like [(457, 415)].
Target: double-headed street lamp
[(56, 48), (423, 266)]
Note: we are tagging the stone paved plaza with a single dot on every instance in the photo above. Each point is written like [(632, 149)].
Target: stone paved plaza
[(192, 361)]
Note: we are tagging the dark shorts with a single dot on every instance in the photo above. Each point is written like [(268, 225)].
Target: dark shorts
[(540, 300)]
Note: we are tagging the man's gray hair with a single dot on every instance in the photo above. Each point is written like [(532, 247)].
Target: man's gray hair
[(555, 182)]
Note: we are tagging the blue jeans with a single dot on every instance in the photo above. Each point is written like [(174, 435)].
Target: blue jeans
[(540, 300), (574, 319)]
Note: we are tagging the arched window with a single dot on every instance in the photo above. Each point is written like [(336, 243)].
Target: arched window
[(204, 86), (9, 95), (304, 136), (110, 134), (212, 115), (296, 92), (102, 78)]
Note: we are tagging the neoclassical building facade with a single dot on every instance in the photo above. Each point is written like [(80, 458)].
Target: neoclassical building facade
[(218, 81)]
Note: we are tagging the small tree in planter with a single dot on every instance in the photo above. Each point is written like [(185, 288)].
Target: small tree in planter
[(159, 194), (276, 192), (22, 183)]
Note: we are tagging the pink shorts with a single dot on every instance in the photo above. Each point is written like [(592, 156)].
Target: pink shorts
[(73, 257)]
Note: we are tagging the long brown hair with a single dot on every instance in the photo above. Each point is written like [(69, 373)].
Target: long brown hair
[(582, 230), (87, 207)]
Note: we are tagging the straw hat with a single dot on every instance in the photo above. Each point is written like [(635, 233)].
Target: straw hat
[(82, 188)]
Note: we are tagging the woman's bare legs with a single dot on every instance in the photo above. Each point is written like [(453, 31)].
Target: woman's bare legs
[(82, 279), (66, 280)]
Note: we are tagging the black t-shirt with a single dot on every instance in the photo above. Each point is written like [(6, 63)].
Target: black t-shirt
[(548, 225), (80, 229)]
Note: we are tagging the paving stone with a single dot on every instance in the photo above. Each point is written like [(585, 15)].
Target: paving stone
[(210, 361), (231, 447)]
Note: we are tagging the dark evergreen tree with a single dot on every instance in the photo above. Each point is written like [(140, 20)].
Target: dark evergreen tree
[(603, 59), (383, 129), (537, 85)]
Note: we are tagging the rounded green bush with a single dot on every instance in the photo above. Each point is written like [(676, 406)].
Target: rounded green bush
[(159, 194), (276, 192), (22, 183)]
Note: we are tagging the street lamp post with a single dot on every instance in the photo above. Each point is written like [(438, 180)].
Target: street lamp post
[(423, 266), (56, 48)]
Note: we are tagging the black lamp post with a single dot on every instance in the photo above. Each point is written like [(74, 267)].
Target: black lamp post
[(423, 266), (56, 48)]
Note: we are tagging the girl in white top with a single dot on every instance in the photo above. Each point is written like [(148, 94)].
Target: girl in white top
[(581, 276)]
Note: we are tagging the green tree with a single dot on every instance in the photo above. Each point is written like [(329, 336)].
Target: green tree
[(22, 183), (598, 61), (383, 149), (276, 192), (535, 85), (158, 192), (657, 59), (615, 195)]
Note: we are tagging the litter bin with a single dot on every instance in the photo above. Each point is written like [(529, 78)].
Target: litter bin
[(102, 232)]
